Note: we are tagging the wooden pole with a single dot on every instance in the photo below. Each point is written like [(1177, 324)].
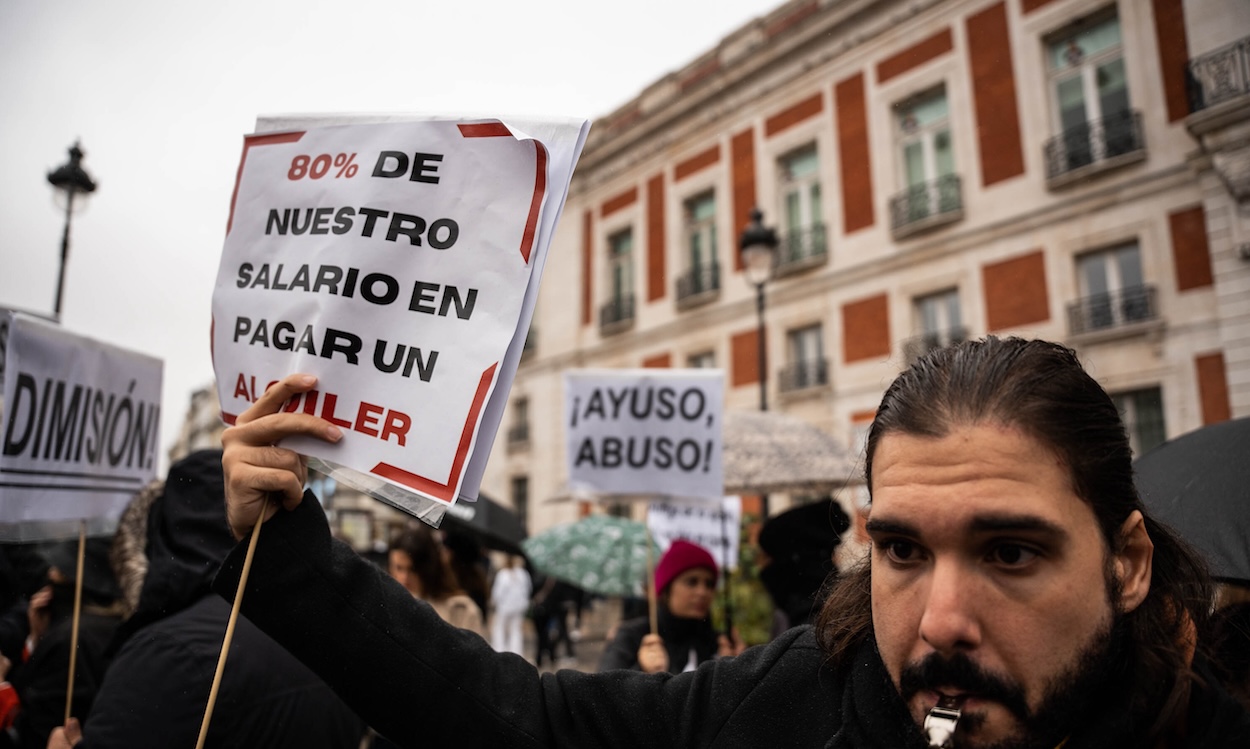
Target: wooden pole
[(73, 637), (651, 593), (225, 645)]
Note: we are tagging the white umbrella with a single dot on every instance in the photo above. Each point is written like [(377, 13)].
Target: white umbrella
[(767, 452)]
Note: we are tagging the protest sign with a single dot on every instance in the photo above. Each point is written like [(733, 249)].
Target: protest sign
[(397, 260), (714, 527), (80, 430), (645, 431)]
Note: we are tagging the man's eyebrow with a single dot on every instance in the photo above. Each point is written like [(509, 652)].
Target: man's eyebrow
[(1008, 522), (891, 527)]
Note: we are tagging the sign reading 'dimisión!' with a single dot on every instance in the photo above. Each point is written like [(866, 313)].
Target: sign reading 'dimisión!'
[(391, 260)]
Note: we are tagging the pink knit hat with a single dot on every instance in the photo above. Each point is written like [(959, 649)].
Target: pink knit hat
[(681, 556)]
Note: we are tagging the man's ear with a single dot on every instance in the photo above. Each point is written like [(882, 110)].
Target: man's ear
[(1133, 562)]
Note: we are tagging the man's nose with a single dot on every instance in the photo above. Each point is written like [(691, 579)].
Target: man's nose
[(951, 620)]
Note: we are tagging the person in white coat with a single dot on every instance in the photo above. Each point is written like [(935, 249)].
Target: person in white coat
[(510, 597)]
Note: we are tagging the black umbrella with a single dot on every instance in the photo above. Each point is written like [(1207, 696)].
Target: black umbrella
[(496, 526), (1199, 484)]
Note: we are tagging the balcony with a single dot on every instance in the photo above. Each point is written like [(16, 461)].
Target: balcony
[(1094, 147), (518, 436), (1219, 76), (698, 286), (914, 348), (617, 315), (923, 207), (1120, 311), (802, 249), (803, 375)]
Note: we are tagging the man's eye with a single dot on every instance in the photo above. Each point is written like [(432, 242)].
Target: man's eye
[(1012, 555), (902, 551)]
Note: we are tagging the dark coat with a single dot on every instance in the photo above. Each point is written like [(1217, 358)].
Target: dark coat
[(156, 689), (680, 637), (390, 656)]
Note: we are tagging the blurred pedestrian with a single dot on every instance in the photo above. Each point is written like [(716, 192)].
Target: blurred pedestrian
[(170, 541), (416, 561), (685, 584), (510, 597), (797, 566), (470, 564)]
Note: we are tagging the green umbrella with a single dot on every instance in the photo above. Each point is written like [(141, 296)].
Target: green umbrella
[(600, 553)]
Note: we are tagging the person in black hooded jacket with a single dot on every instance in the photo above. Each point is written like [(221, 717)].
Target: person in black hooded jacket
[(155, 692)]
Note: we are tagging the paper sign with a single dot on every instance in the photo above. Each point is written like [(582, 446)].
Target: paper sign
[(81, 430), (393, 260), (645, 431), (714, 527)]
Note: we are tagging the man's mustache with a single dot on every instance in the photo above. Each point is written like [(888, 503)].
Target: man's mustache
[(960, 673)]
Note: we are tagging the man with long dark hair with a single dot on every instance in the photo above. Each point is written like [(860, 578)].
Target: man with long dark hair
[(1017, 595)]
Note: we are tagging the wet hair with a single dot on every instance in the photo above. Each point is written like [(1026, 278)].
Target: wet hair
[(1041, 389), (425, 551)]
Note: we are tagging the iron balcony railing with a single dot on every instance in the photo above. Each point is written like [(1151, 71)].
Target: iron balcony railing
[(803, 374), (519, 434), (914, 348), (1093, 142), (616, 313), (1219, 75), (1113, 309), (802, 248), (697, 282), (940, 198)]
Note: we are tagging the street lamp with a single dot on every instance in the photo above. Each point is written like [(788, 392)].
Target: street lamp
[(758, 247), (71, 179)]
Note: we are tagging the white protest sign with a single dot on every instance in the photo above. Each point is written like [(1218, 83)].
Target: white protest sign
[(645, 431), (714, 527), (396, 261), (80, 430)]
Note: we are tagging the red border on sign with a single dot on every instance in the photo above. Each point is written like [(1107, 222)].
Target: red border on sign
[(497, 130), (256, 140)]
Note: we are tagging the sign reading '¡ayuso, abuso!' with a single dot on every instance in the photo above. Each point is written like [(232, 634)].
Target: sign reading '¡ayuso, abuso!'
[(645, 431), (392, 260), (80, 428)]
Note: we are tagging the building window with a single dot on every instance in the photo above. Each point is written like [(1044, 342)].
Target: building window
[(1112, 290), (931, 189), (1142, 413), (1090, 98), (521, 499), (803, 241), (702, 274), (806, 366), (938, 319), (702, 360), (519, 431), (618, 312)]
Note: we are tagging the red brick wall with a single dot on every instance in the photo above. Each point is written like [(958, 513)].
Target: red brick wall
[(742, 150), (695, 163), (1173, 55), (744, 352), (916, 55), (659, 361), (1031, 5), (793, 115), (866, 329), (588, 266), (1213, 388), (994, 95), (657, 273), (617, 202), (857, 211), (1015, 292), (1191, 254)]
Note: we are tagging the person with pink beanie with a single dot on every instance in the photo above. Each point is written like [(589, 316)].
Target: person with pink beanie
[(685, 584)]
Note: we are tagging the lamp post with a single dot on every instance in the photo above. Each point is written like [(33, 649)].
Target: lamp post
[(71, 179), (758, 247)]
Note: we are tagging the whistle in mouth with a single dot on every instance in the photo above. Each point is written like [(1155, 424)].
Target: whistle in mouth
[(939, 724)]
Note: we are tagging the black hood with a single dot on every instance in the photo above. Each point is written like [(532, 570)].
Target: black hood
[(187, 539)]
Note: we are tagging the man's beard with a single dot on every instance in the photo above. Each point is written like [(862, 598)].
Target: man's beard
[(1097, 676)]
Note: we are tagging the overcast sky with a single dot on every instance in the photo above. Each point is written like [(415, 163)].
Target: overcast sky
[(160, 94)]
